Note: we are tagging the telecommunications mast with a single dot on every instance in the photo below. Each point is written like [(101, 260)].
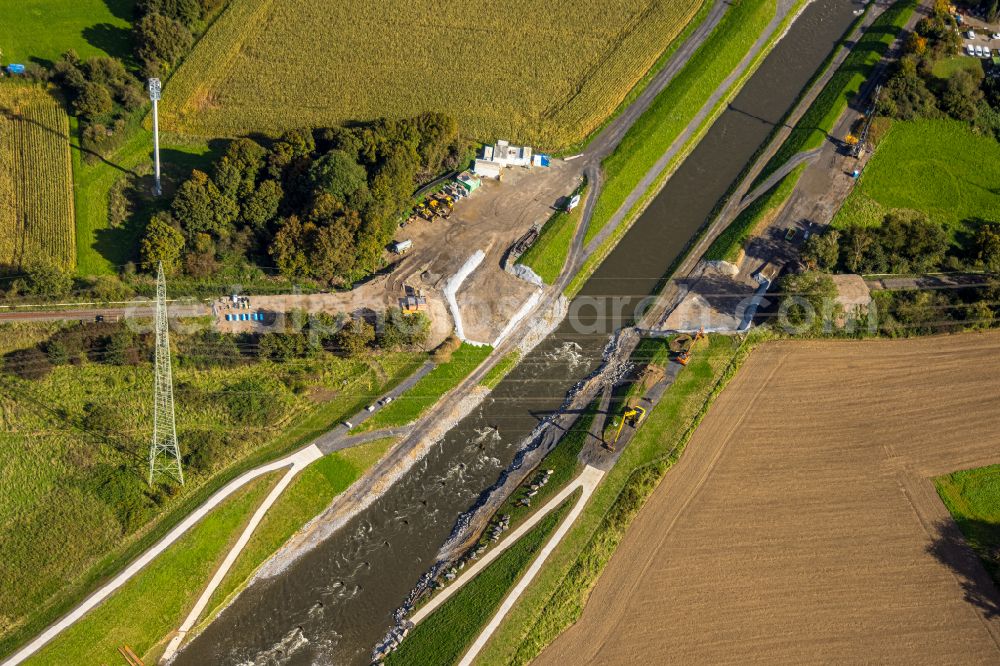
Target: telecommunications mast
[(154, 95)]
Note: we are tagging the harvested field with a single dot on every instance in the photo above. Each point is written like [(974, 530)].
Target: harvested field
[(541, 73), (801, 524), (36, 191)]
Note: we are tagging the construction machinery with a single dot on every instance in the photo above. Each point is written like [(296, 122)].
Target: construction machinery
[(683, 345), (632, 416)]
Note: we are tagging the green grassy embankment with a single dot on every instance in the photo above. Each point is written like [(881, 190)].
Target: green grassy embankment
[(445, 635), (501, 369), (973, 499), (408, 407), (547, 256), (81, 509), (556, 597), (728, 245)]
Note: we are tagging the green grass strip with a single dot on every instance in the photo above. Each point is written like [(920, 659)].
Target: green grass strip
[(547, 256), (408, 407), (445, 635), (501, 369), (674, 108)]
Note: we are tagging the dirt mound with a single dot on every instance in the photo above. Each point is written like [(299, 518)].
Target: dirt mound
[(801, 525)]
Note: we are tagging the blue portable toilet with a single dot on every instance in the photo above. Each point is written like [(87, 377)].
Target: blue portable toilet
[(229, 317), (244, 316)]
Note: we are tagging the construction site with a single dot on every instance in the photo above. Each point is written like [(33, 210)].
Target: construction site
[(469, 226)]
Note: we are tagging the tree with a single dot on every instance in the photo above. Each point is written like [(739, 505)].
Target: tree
[(338, 174), (93, 101), (809, 301), (962, 95), (330, 256), (160, 42), (161, 242), (354, 338), (987, 244), (913, 241), (821, 251), (48, 280), (262, 205), (236, 171), (289, 247), (201, 208)]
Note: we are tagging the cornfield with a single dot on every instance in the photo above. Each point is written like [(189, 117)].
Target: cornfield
[(36, 181), (544, 73)]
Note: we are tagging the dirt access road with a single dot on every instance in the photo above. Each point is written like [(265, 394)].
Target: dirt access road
[(801, 525)]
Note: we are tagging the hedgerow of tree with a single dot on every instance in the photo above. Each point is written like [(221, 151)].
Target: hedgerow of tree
[(316, 204)]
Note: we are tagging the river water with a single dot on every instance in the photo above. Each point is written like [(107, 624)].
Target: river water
[(333, 604)]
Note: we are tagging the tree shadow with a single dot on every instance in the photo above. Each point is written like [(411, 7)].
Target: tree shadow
[(111, 39), (956, 544), (121, 9)]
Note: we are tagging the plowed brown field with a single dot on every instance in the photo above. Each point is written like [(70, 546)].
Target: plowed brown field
[(800, 526)]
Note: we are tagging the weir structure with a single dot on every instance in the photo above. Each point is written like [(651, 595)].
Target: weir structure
[(164, 454)]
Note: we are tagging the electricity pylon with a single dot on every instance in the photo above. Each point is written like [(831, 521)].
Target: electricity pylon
[(164, 455)]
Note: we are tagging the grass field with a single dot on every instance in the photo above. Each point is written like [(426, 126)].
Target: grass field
[(54, 459), (155, 602), (823, 113), (444, 636), (543, 75), (142, 619), (564, 582), (936, 166), (42, 30), (780, 545), (945, 67), (547, 256), (973, 499), (679, 102), (444, 377), (36, 179)]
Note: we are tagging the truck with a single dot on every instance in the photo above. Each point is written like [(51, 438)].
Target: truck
[(401, 247)]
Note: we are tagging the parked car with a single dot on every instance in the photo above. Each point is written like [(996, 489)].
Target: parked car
[(995, 35), (971, 34), (970, 49), (347, 424)]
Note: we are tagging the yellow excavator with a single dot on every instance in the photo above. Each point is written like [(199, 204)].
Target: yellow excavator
[(633, 416)]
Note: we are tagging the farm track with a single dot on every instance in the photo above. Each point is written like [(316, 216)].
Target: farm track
[(801, 521)]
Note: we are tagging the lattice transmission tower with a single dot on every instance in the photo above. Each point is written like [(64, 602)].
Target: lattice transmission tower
[(164, 454)]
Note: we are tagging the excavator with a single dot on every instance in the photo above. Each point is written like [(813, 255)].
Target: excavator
[(685, 356), (633, 416)]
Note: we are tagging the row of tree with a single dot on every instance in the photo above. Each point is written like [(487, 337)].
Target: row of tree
[(316, 204), (905, 242)]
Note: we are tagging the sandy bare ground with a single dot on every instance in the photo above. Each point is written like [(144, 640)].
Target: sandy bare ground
[(801, 525)]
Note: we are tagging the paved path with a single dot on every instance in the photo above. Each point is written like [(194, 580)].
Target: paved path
[(587, 480), (300, 458), (299, 461)]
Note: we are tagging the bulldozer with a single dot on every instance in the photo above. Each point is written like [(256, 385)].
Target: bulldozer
[(633, 416)]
